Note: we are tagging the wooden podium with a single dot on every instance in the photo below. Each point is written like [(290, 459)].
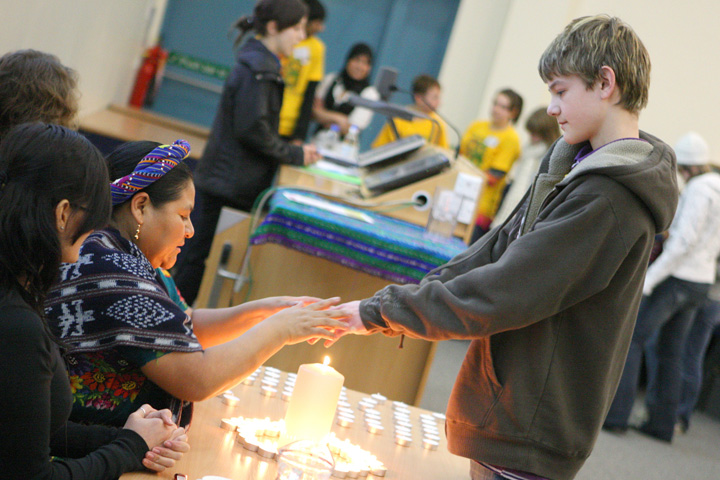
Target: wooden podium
[(369, 363), (424, 190)]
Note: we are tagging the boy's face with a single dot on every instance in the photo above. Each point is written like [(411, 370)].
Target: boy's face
[(578, 110), (314, 27), (430, 99)]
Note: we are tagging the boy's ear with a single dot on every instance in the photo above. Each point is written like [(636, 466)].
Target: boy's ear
[(607, 82)]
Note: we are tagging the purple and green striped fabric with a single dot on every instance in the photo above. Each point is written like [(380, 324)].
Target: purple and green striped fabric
[(387, 247)]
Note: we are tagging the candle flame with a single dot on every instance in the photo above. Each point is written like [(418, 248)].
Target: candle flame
[(326, 360)]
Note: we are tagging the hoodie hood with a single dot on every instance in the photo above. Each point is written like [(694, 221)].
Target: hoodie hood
[(646, 167), (258, 58)]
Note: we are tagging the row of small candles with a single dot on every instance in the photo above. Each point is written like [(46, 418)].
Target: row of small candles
[(309, 418)]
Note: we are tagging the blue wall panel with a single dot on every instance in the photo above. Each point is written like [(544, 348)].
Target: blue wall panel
[(410, 35)]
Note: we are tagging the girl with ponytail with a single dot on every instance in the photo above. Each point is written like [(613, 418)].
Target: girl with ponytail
[(245, 149)]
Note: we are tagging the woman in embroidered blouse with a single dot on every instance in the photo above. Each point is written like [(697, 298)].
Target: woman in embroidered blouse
[(129, 342), (53, 193)]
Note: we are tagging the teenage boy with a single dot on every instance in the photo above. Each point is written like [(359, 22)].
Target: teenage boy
[(426, 97), (301, 73), (550, 297)]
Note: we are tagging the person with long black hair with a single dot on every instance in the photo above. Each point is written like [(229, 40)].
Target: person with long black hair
[(53, 193)]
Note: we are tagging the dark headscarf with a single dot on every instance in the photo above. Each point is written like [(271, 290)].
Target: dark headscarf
[(352, 85)]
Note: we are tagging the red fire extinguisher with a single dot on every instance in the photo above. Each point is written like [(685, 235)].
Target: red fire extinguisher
[(147, 76)]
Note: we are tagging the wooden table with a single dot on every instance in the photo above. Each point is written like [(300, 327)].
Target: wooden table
[(214, 451), (131, 124)]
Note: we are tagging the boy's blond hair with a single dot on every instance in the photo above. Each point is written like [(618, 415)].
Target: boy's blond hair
[(589, 43)]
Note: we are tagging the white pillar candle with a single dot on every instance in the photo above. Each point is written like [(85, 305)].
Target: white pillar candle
[(312, 407)]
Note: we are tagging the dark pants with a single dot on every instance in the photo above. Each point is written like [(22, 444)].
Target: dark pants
[(668, 312), (190, 266), (703, 325)]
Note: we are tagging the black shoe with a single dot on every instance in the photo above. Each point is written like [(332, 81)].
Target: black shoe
[(616, 429), (682, 426), (662, 436)]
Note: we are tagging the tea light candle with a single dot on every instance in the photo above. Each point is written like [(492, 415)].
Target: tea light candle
[(403, 441), (267, 450), (430, 444), (375, 428), (251, 444), (273, 382), (268, 391), (378, 470), (345, 421), (311, 409), (230, 399), (228, 424)]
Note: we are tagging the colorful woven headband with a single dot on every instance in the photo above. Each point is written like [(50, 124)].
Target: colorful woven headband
[(151, 168)]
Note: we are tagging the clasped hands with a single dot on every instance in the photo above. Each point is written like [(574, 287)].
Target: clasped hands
[(167, 442)]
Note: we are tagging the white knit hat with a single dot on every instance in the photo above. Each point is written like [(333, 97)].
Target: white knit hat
[(691, 149)]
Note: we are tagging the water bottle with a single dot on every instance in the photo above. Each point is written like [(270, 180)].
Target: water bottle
[(350, 147), (332, 137)]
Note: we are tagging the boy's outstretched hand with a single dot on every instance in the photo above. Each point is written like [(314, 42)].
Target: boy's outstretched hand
[(354, 323)]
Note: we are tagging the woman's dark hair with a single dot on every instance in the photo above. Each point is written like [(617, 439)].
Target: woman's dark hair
[(35, 86), (40, 165), (123, 160), (516, 102), (285, 13)]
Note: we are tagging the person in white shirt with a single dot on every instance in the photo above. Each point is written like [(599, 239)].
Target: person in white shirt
[(331, 99), (676, 285)]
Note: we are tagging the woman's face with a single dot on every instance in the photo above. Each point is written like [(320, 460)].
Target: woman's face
[(165, 229), (359, 67), (291, 36)]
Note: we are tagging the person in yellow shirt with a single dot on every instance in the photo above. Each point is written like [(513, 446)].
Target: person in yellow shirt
[(302, 72), (426, 94), (493, 146)]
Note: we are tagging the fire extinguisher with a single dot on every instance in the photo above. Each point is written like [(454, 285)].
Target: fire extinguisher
[(148, 76)]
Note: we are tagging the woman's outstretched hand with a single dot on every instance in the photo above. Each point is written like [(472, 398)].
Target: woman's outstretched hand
[(314, 320)]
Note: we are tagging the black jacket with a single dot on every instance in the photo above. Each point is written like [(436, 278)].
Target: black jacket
[(35, 402), (550, 301), (244, 148)]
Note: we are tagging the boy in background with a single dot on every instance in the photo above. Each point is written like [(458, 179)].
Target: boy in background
[(550, 299), (426, 96), (302, 72)]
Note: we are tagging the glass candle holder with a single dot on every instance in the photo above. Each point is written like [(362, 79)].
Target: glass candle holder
[(304, 460)]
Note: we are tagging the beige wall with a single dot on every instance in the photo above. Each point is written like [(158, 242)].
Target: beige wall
[(682, 38), (102, 39), (495, 43)]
